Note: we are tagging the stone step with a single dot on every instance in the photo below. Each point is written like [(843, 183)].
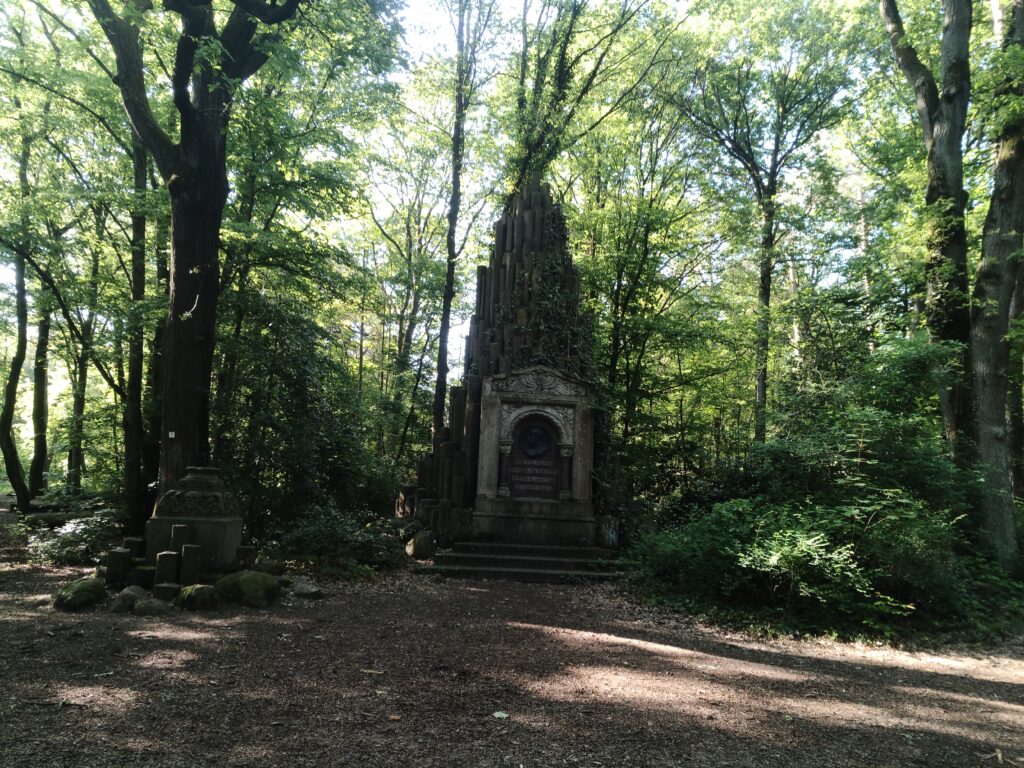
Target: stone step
[(533, 550), (537, 575), (529, 562)]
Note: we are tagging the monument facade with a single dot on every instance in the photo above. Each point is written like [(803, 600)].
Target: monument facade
[(515, 462)]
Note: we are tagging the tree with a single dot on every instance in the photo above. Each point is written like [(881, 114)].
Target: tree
[(995, 285), (474, 21), (761, 100), (975, 412), (568, 50), (942, 114), (209, 66)]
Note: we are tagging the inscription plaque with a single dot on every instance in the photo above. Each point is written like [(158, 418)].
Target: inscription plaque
[(534, 466)]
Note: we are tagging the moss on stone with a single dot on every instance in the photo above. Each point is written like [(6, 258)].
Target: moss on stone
[(252, 588), (199, 597), (79, 594)]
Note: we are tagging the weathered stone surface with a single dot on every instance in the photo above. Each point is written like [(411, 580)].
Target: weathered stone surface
[(191, 557), (166, 590), (199, 597), (124, 601), (151, 606), (203, 503), (180, 536), (119, 562), (422, 546), (515, 463), (307, 589), (166, 568), (135, 544), (83, 593), (252, 588), (141, 576)]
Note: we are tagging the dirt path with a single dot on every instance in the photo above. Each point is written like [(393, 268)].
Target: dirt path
[(407, 671)]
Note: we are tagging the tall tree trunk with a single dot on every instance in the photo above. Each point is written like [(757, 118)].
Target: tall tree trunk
[(152, 402), (462, 86), (763, 327), (132, 424), (994, 288), (83, 360), (942, 114), (197, 208), (40, 399), (76, 436), (12, 462), (1015, 393)]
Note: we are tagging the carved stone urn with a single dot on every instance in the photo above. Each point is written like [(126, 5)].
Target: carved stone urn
[(202, 502)]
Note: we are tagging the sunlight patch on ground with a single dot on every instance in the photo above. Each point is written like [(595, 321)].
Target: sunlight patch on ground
[(173, 633), (694, 659), (103, 699), (996, 669), (167, 659), (742, 697)]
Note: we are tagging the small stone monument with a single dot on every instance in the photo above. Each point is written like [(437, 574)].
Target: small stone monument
[(203, 503)]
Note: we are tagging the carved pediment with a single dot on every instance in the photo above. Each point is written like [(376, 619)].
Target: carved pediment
[(537, 381), (563, 417)]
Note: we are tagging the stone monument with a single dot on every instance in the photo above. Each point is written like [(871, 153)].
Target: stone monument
[(198, 511), (514, 463)]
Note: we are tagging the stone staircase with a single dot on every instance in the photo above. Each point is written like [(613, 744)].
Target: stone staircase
[(525, 562)]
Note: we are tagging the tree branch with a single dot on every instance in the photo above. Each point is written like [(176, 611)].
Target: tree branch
[(124, 40)]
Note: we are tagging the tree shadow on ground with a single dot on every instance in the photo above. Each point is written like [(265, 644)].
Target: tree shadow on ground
[(408, 671)]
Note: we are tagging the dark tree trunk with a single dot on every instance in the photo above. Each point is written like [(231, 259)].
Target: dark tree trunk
[(994, 289), (1015, 393), (83, 360), (197, 207), (763, 327), (132, 424), (12, 462), (195, 171), (40, 400), (942, 114), (76, 436), (152, 404)]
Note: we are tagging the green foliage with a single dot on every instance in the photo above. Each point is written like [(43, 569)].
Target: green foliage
[(852, 520), (339, 542), (81, 541)]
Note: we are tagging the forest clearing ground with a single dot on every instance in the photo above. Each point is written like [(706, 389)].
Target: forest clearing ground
[(409, 671)]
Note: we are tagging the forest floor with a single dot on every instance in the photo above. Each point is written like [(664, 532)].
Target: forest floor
[(409, 671)]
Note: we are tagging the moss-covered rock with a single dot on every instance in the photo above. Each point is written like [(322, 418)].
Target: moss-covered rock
[(83, 593), (199, 597), (151, 606), (252, 588), (125, 600)]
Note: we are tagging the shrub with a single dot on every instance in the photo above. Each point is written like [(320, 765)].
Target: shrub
[(78, 542), (873, 560), (329, 537)]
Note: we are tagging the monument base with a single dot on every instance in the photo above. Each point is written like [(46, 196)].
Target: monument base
[(219, 536), (534, 521)]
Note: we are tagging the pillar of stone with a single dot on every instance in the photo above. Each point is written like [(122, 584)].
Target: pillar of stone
[(119, 562), (191, 557), (135, 544), (180, 536), (166, 568)]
